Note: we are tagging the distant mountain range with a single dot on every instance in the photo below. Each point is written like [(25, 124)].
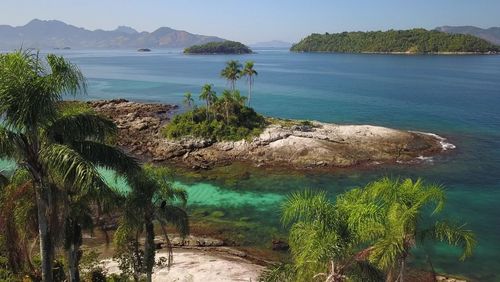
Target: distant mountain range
[(272, 44), (56, 34), (491, 34)]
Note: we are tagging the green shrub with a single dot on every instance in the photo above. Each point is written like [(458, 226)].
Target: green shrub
[(243, 123)]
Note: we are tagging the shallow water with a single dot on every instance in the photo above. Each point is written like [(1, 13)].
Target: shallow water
[(453, 96)]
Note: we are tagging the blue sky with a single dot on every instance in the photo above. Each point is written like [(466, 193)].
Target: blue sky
[(256, 20)]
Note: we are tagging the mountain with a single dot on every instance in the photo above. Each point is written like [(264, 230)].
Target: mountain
[(56, 34), (491, 34), (272, 44)]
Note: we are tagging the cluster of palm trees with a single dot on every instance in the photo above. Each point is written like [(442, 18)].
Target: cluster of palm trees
[(230, 98), (367, 234), (58, 153)]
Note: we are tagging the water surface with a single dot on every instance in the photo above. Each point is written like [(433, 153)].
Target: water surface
[(454, 96)]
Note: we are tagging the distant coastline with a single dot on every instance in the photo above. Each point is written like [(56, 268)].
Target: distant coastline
[(406, 42)]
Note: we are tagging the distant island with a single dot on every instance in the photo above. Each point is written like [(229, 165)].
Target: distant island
[(226, 47), (414, 41), (144, 50)]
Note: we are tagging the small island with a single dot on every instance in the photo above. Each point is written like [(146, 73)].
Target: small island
[(224, 129), (144, 50), (225, 47), (414, 41)]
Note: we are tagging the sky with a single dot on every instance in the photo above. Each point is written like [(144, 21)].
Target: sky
[(253, 21)]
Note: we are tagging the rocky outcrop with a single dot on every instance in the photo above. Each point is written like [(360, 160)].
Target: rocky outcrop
[(300, 146)]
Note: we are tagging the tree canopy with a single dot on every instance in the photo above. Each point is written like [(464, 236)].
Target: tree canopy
[(394, 41), (225, 47)]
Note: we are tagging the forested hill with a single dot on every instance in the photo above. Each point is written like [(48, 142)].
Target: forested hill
[(225, 47), (412, 41)]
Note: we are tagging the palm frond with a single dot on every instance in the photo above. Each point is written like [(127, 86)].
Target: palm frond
[(27, 99), (65, 77), (80, 127), (12, 145), (176, 216), (70, 166), (106, 156), (456, 235), (307, 206)]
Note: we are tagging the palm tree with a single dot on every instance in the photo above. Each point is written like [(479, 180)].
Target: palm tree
[(188, 100), (391, 216), (321, 242), (249, 72), (227, 102), (152, 198), (49, 144), (209, 95), (232, 73)]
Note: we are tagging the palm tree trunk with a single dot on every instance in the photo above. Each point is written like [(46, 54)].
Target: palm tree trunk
[(138, 262), (46, 244), (149, 248), (73, 243), (249, 90), (74, 255)]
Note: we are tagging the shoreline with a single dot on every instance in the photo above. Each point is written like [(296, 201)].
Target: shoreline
[(283, 143)]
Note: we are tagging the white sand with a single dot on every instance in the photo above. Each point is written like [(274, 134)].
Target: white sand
[(195, 265)]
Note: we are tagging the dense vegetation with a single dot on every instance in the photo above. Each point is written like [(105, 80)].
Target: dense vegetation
[(394, 41), (225, 47), (367, 234), (56, 191), (224, 117)]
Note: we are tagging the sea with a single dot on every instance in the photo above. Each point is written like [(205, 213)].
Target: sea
[(456, 97)]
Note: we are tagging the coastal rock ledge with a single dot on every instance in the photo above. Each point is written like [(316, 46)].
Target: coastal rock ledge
[(282, 144)]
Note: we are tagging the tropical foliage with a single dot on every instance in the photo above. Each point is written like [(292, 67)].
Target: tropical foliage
[(402, 41), (225, 47), (152, 198), (367, 234), (224, 117), (58, 150)]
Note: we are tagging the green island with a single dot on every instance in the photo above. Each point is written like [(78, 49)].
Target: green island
[(224, 47), (414, 41), (56, 193)]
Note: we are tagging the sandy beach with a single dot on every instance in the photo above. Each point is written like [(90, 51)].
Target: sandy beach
[(197, 265)]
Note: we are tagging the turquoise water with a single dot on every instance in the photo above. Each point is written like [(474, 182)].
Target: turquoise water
[(454, 96)]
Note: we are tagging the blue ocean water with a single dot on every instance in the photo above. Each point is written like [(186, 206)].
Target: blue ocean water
[(457, 97)]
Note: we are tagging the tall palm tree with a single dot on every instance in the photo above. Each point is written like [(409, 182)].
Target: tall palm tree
[(152, 198), (209, 96), (188, 100), (391, 216), (232, 72), (51, 145), (227, 102), (249, 72)]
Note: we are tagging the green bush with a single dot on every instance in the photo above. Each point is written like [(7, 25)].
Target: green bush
[(243, 123)]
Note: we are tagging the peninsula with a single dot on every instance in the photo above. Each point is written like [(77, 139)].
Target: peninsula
[(225, 47), (414, 41)]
